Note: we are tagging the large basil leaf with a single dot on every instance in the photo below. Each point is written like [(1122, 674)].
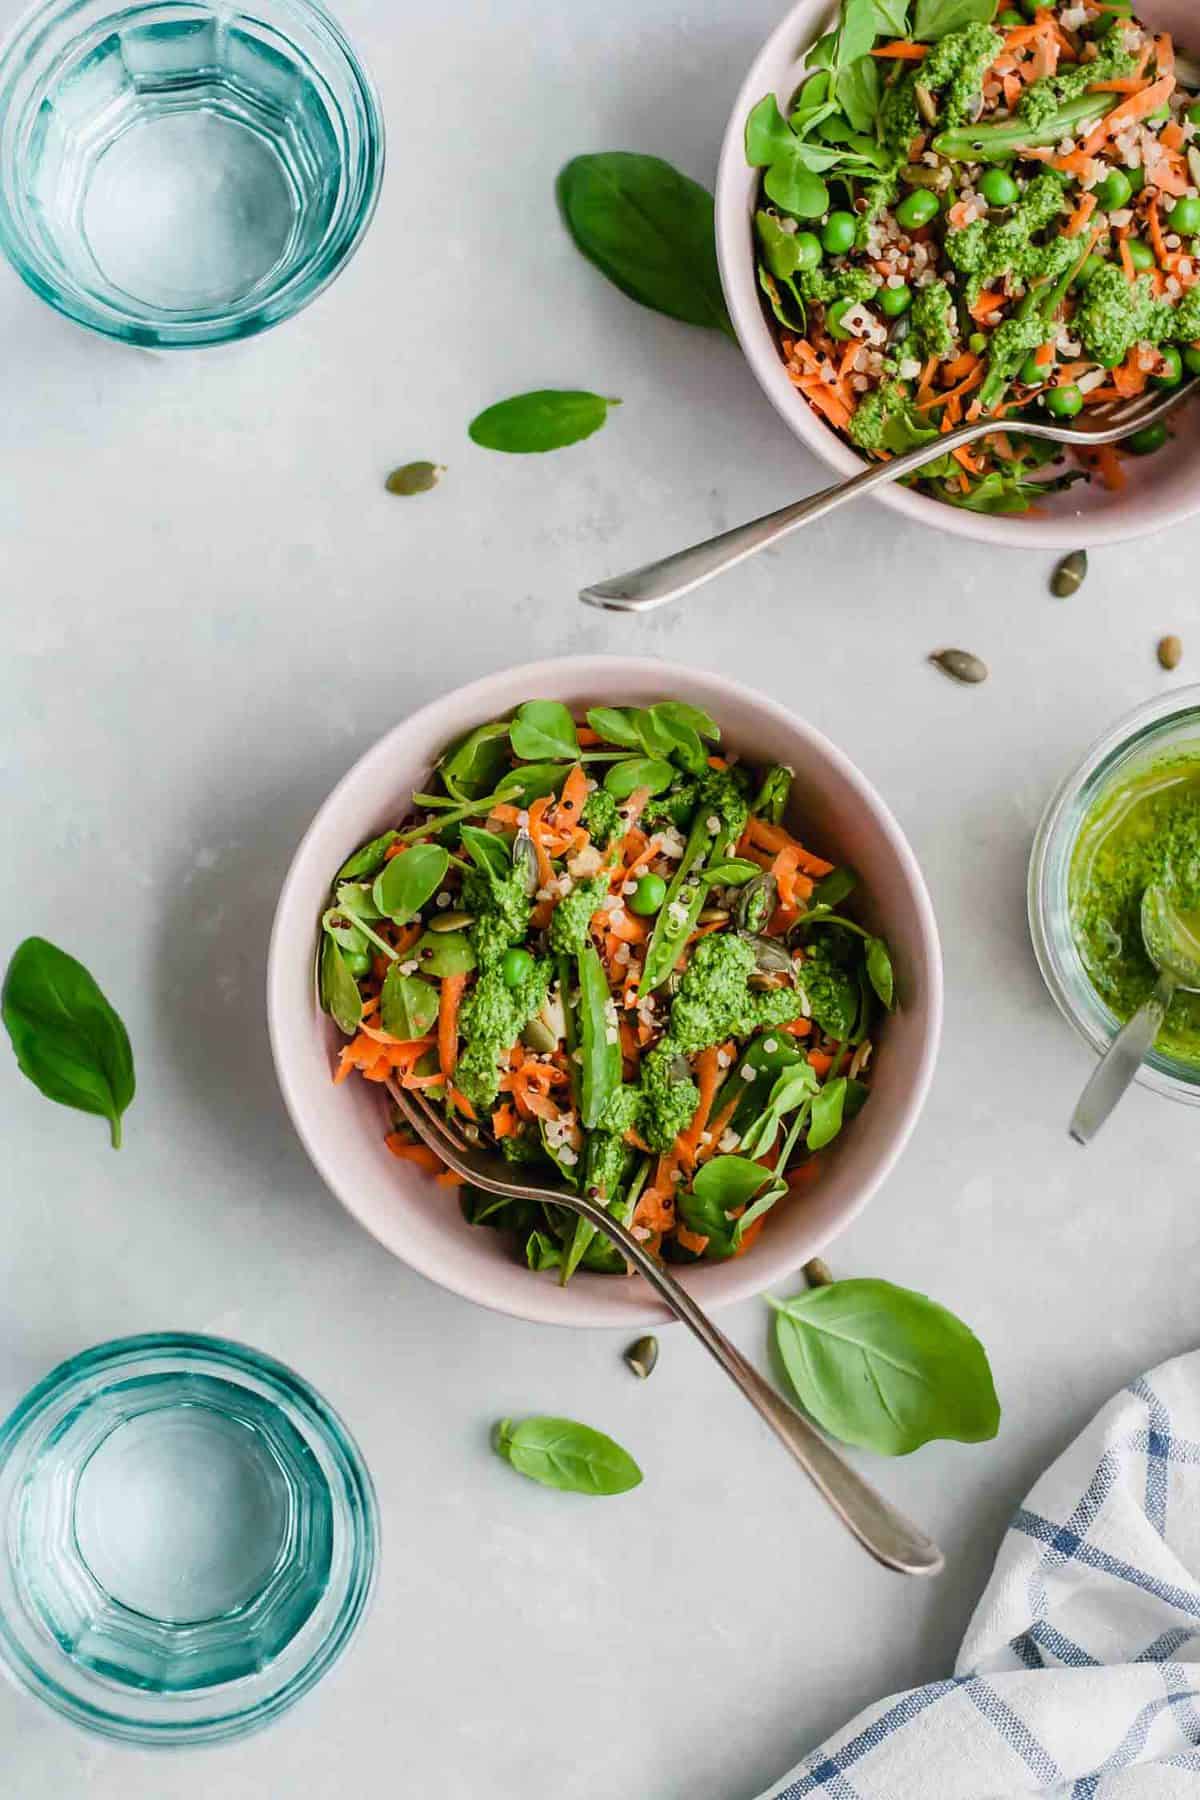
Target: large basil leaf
[(409, 881), (67, 1038), (624, 778), (649, 229), (472, 767), (563, 1454), (544, 728), (615, 726), (547, 419), (886, 1368)]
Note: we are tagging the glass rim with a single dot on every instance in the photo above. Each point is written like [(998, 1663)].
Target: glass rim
[(113, 1710), (1162, 1074), (301, 288)]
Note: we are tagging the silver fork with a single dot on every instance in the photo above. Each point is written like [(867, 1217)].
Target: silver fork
[(655, 583), (886, 1533)]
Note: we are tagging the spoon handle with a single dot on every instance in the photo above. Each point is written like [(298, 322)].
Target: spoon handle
[(1120, 1063)]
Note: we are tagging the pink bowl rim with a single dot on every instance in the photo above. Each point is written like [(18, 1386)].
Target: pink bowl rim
[(738, 280), (544, 1303)]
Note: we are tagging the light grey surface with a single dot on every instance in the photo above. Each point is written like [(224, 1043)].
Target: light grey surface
[(211, 609)]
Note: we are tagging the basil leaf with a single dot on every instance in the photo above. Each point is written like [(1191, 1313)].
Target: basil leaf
[(344, 931), (734, 873), (729, 1181), (649, 229), (563, 1454), (784, 301), (66, 1037), (891, 18), (937, 18), (487, 850), (529, 783), (857, 31), (707, 1218), (769, 137), (544, 728), (796, 1085), (368, 860), (886, 1368), (443, 953), (755, 1212), (409, 880), (547, 419), (340, 997), (614, 726), (682, 740), (541, 1251), (879, 971), (356, 901), (797, 191), (827, 1110), (833, 888), (684, 713), (599, 1042), (858, 89), (408, 1006), (471, 767), (624, 778)]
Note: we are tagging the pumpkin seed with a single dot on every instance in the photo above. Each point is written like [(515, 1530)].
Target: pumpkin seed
[(756, 902), (538, 1036), (960, 665), (713, 915), (642, 1356), (414, 478), (1069, 575), (1170, 651), (817, 1273), (525, 858), (926, 104), (770, 956), (451, 921)]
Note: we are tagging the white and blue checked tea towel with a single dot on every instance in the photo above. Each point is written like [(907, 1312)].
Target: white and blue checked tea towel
[(1079, 1677)]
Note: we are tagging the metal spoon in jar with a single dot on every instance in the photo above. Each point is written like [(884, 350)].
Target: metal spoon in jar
[(1172, 940)]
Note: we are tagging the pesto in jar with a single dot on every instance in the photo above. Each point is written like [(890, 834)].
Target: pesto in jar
[(1143, 829)]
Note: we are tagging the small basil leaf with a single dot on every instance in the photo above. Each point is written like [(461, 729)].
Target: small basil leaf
[(682, 740), (471, 767), (549, 419), (833, 888), (827, 1110), (769, 137), (734, 873), (487, 850), (728, 1182), (682, 712), (858, 89), (796, 190), (408, 1006), (356, 901), (937, 18), (339, 990), (560, 1453), (886, 1368), (367, 861), (345, 932), (66, 1036), (879, 971), (614, 726), (530, 782), (857, 31), (541, 1251), (409, 881), (755, 1212), (649, 229), (443, 953), (544, 728), (624, 778)]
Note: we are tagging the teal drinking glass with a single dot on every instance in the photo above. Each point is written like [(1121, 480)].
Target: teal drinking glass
[(187, 1539), (183, 173)]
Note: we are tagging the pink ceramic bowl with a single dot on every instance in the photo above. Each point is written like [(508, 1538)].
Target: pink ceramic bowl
[(343, 1127), (1161, 489)]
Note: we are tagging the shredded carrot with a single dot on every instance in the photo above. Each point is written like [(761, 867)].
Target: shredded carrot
[(504, 1122), (420, 1154), (447, 1031), (1156, 237), (586, 737), (1164, 55), (1171, 136), (973, 380), (708, 1077), (774, 837), (821, 1061), (1129, 112), (1080, 217), (902, 50), (574, 795)]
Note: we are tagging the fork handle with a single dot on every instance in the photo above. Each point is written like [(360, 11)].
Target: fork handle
[(891, 1538), (656, 583)]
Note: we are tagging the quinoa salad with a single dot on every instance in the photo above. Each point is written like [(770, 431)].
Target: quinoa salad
[(981, 211), (601, 942)]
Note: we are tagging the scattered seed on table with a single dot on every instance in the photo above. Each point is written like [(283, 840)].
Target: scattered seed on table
[(642, 1356), (1170, 651), (1069, 575), (414, 478), (960, 665)]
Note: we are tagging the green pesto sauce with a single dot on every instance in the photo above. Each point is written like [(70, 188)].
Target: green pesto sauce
[(1143, 830)]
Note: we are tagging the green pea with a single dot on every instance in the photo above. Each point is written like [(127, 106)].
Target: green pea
[(833, 318), (1115, 190), (1113, 359), (808, 250), (1185, 216), (1008, 20), (1064, 402), (357, 961), (1140, 255), (1147, 441), (839, 232), (1031, 8), (1171, 373), (1191, 359), (1193, 113), (895, 300), (515, 966), (1136, 178), (917, 209), (978, 342), (999, 189), (1034, 373), (648, 896)]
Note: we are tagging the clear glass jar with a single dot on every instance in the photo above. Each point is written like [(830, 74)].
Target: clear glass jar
[(180, 173), (187, 1539), (1142, 737)]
